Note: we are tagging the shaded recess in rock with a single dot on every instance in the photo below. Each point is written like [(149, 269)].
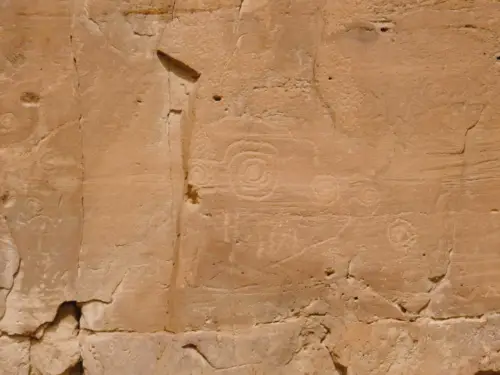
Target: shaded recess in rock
[(76, 369), (178, 67), (192, 194), (341, 369), (71, 306), (29, 98)]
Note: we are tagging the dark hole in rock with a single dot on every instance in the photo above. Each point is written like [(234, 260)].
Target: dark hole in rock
[(76, 369), (192, 194), (329, 271), (341, 369), (29, 98)]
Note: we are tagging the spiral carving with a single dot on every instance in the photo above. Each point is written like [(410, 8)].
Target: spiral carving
[(252, 169)]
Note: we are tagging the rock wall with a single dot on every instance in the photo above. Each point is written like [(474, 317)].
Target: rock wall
[(249, 187)]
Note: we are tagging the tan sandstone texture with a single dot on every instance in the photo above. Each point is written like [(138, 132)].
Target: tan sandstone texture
[(249, 187)]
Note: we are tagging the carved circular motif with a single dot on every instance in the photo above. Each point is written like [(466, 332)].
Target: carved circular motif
[(370, 196), (325, 188), (401, 234), (8, 123), (200, 174), (253, 172)]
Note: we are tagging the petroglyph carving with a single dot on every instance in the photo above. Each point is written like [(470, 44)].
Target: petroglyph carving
[(8, 123), (369, 196), (401, 234), (366, 193), (15, 128), (34, 217), (252, 169), (325, 188), (277, 243), (201, 173)]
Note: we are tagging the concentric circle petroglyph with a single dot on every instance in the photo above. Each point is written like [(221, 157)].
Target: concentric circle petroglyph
[(200, 173), (13, 129), (369, 196), (34, 206), (367, 193), (8, 123), (325, 188), (252, 169), (401, 234)]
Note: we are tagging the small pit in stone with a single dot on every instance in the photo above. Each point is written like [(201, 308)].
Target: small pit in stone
[(329, 271), (30, 99), (436, 279), (6, 199), (217, 98)]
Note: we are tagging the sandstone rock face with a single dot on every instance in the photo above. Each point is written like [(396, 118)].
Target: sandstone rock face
[(249, 187)]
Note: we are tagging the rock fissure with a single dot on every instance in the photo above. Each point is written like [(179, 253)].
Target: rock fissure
[(77, 94), (179, 132)]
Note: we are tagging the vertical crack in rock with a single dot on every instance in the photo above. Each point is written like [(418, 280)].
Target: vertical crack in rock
[(181, 85), (337, 364), (315, 82), (55, 349), (173, 10), (77, 94), (439, 280), (469, 128), (240, 9)]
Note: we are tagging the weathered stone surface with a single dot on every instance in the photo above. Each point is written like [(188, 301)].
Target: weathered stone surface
[(276, 348), (40, 160), (14, 355), (249, 187), (300, 346), (58, 349)]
